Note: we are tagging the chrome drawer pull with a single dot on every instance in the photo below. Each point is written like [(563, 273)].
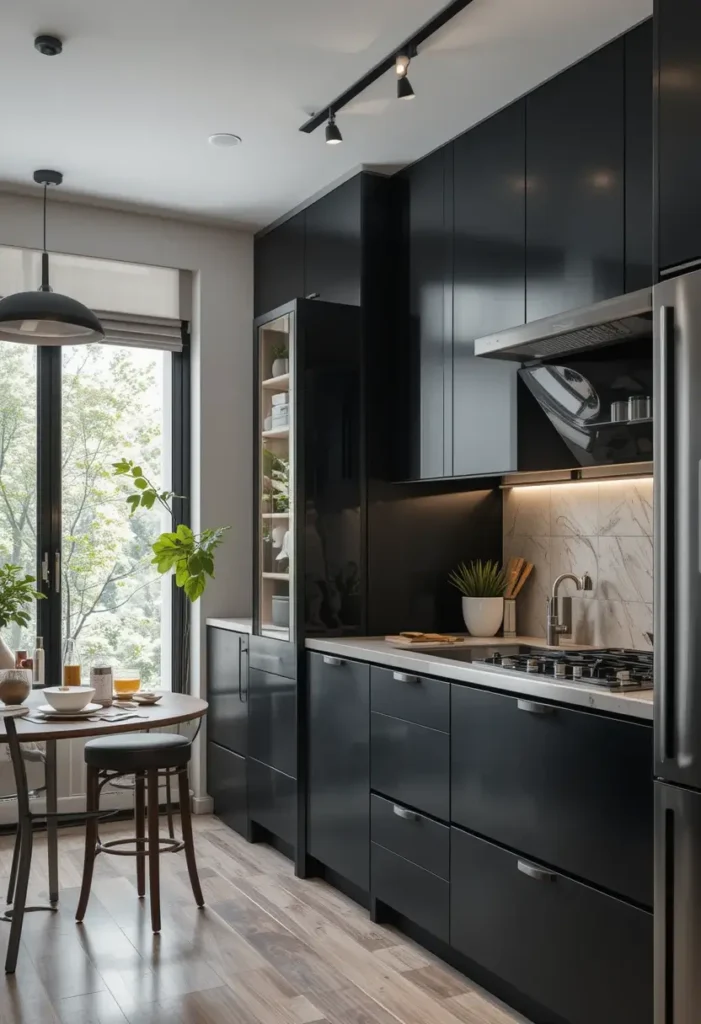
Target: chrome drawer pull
[(534, 708), (402, 677), (403, 812), (532, 871), (328, 660)]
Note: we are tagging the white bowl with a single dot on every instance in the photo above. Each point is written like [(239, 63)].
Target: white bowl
[(68, 698)]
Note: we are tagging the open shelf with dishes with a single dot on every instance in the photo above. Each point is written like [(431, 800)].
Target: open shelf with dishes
[(275, 489)]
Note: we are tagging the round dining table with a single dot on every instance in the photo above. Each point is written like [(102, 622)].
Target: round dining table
[(24, 724)]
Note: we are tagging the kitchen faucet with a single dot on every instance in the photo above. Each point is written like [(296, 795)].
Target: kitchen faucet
[(559, 615)]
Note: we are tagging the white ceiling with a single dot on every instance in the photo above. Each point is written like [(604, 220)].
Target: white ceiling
[(126, 110)]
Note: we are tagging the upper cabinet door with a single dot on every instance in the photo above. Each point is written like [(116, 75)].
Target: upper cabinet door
[(678, 137), (278, 266), (489, 282), (430, 308), (638, 191), (333, 245), (575, 210)]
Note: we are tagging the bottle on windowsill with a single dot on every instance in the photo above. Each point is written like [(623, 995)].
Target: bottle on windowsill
[(39, 655)]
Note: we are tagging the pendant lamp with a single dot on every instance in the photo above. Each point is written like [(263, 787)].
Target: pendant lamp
[(44, 317)]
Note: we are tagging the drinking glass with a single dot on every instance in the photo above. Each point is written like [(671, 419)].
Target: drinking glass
[(127, 682)]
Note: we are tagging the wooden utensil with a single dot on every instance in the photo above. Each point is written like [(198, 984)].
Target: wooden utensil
[(512, 571), (527, 569)]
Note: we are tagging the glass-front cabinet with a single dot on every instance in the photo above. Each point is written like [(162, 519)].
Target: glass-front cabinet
[(275, 513)]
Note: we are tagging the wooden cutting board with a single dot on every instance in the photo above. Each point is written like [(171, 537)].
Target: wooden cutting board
[(428, 645)]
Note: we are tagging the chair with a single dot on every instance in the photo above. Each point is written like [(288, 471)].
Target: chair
[(148, 757)]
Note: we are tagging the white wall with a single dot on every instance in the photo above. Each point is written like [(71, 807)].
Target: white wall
[(222, 264)]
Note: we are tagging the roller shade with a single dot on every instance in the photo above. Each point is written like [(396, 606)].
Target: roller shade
[(140, 331)]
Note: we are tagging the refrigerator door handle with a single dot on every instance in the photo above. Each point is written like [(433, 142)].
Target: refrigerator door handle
[(664, 426)]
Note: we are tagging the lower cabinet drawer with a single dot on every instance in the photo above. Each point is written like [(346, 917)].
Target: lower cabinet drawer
[(411, 835), (226, 784), (416, 894), (581, 955), (272, 800), (411, 764)]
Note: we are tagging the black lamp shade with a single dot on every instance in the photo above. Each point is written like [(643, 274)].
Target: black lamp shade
[(333, 133), (404, 89), (45, 318)]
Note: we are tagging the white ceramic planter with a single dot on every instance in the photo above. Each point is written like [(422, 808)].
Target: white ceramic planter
[(280, 367), (483, 615)]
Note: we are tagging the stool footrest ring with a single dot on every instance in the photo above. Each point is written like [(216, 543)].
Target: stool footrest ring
[(165, 845)]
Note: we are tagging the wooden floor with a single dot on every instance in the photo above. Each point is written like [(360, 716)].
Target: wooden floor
[(267, 949)]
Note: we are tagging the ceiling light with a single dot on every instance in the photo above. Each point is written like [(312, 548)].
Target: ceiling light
[(333, 134), (43, 317), (225, 140), (404, 89), (401, 66)]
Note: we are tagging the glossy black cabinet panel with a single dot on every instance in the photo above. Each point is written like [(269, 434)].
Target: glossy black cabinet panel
[(328, 540), (278, 265), (417, 894), (581, 955), (272, 800), (678, 141), (227, 786), (272, 722), (227, 689), (332, 263), (413, 698), (338, 825), (489, 282), (638, 172), (574, 169), (411, 835), (410, 764), (430, 305), (568, 788)]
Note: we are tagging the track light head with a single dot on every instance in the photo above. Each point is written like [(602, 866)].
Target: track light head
[(401, 65), (404, 89), (333, 134)]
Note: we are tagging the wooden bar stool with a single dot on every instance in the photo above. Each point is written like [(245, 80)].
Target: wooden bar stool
[(148, 757)]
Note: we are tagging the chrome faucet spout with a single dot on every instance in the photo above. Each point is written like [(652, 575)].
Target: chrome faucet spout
[(559, 611)]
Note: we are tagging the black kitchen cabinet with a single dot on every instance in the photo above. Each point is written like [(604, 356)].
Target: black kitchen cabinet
[(489, 287), (568, 788), (581, 955), (227, 689), (429, 244), (278, 265), (333, 247), (575, 186), (410, 764), (227, 784), (638, 158), (338, 825), (678, 24), (272, 723), (272, 800), (419, 895)]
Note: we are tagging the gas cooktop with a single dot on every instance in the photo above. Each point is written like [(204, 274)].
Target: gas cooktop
[(613, 668)]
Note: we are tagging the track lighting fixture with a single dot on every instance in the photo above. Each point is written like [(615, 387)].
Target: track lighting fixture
[(399, 58), (404, 89), (333, 133)]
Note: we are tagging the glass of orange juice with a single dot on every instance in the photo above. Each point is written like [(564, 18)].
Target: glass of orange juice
[(127, 682)]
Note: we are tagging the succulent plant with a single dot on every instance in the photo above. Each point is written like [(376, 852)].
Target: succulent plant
[(479, 579)]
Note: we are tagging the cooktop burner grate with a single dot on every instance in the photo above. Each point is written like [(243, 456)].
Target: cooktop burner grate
[(613, 668)]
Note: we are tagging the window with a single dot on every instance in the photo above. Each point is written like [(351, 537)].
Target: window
[(66, 415)]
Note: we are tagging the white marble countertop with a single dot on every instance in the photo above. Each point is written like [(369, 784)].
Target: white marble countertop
[(633, 704)]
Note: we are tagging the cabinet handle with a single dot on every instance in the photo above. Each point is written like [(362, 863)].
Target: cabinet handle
[(532, 871), (243, 670), (328, 660), (402, 677), (405, 813), (534, 708)]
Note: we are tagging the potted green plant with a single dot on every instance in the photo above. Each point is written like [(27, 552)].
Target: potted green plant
[(281, 360), (482, 585), (16, 592)]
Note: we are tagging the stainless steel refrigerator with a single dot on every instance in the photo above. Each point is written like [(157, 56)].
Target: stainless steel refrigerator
[(677, 614)]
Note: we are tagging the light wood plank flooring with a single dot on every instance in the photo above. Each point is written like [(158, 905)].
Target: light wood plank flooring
[(267, 949)]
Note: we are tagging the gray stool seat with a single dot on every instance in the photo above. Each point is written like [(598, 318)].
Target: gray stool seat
[(138, 752)]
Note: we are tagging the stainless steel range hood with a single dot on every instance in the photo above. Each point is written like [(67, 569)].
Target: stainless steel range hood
[(621, 319)]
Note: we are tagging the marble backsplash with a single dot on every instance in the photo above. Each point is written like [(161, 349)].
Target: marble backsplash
[(604, 529)]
